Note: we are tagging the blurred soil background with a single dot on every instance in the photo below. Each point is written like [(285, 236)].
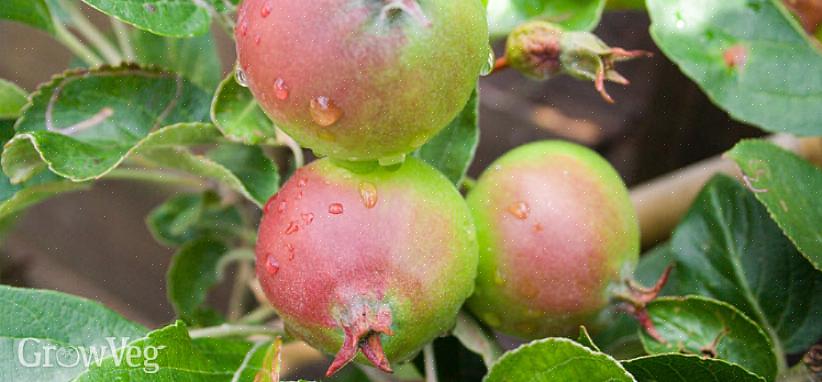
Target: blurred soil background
[(95, 244)]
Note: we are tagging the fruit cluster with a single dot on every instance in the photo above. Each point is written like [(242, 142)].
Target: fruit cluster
[(372, 260)]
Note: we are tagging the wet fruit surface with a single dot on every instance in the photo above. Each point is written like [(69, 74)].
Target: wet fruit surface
[(361, 79), (375, 264), (556, 229)]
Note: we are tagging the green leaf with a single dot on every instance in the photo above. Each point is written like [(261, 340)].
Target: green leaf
[(775, 79), (584, 339), (244, 169), (556, 359), (36, 319), (452, 150), (251, 166), (186, 217), (12, 100), (17, 197), (272, 363), (31, 12), (505, 15), (476, 338), (194, 58), (238, 116), (791, 190), (179, 358), (687, 368), (728, 248), (84, 123), (173, 18), (710, 328), (194, 270)]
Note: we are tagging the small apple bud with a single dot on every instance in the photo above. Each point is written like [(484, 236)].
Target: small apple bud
[(542, 50)]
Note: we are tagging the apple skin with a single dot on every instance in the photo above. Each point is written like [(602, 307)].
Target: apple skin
[(557, 234), (362, 79), (396, 244)]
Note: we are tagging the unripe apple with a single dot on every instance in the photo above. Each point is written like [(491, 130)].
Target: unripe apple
[(362, 79), (378, 261), (557, 231)]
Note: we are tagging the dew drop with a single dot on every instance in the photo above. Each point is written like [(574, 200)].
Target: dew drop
[(335, 208), (258, 39), (244, 28), (302, 182), (308, 218), (292, 228), (488, 66), (240, 77), (282, 206), (520, 210), (280, 89), (271, 265), (324, 112), (266, 9), (368, 193)]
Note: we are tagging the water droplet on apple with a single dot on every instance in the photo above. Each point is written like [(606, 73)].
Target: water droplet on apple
[(302, 182), (240, 77), (271, 265), (292, 228), (282, 206), (280, 89), (324, 111), (488, 66), (368, 194), (335, 208), (258, 39), (291, 251), (244, 28), (520, 210)]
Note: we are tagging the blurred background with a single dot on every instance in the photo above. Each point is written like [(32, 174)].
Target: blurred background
[(95, 244)]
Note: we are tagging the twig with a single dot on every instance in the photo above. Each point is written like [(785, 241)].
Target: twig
[(257, 316), (91, 33), (154, 176), (662, 202), (238, 292), (76, 46), (228, 330), (123, 39), (430, 363), (285, 139)]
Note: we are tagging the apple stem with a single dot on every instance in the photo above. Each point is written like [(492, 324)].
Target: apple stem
[(500, 64)]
